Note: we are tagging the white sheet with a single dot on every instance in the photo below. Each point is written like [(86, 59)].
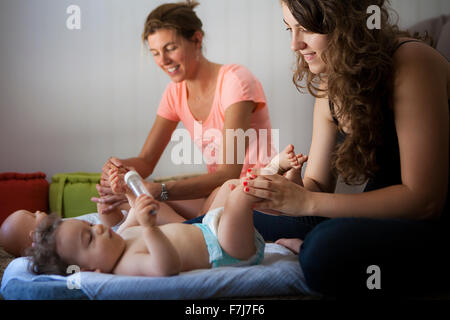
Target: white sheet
[(279, 274)]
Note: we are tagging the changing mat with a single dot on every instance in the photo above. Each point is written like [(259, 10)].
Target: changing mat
[(279, 274)]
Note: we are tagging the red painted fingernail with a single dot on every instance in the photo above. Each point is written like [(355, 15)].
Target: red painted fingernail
[(249, 170), (246, 189), (245, 183)]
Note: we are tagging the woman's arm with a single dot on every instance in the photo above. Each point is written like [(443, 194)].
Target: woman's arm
[(155, 144), (422, 124), (318, 173), (420, 106), (283, 196), (237, 116)]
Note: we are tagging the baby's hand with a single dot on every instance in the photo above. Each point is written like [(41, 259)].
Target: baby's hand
[(143, 207)]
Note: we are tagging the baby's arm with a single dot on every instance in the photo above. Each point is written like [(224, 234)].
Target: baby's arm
[(162, 258), (130, 221), (118, 186), (109, 218)]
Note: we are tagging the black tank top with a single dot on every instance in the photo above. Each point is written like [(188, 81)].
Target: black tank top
[(387, 154)]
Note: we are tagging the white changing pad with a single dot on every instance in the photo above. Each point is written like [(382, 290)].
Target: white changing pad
[(279, 274)]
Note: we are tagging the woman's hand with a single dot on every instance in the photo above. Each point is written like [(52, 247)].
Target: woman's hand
[(278, 193), (108, 199), (107, 204)]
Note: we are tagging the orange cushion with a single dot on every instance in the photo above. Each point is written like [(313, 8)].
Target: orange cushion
[(27, 191)]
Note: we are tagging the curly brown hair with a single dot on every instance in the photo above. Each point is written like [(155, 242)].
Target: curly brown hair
[(44, 258), (180, 17), (359, 75)]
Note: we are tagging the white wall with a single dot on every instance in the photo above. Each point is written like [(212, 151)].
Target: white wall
[(412, 11), (70, 99)]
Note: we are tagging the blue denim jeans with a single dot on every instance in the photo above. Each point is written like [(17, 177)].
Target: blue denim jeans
[(411, 256)]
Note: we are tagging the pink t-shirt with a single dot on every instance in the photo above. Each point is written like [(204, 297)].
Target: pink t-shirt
[(235, 84)]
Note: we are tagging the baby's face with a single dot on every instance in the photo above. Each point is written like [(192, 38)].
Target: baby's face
[(30, 219), (17, 229), (91, 247)]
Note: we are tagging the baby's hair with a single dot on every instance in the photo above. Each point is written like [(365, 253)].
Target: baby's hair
[(44, 258)]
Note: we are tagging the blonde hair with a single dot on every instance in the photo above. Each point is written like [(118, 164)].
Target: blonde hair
[(180, 17)]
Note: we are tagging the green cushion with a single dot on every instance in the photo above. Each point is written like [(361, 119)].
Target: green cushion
[(70, 193)]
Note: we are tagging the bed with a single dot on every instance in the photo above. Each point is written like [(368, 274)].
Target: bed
[(278, 276)]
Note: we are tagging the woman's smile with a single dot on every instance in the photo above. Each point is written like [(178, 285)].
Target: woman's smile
[(309, 56), (173, 70)]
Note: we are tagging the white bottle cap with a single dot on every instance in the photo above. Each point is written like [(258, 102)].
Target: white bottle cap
[(131, 174)]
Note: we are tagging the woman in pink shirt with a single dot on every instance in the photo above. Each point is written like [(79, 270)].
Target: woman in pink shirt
[(211, 100)]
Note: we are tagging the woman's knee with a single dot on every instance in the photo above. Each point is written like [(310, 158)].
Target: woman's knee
[(231, 183), (336, 254)]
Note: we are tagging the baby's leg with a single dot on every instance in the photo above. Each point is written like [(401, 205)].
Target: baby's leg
[(236, 230), (223, 193), (209, 201), (166, 214)]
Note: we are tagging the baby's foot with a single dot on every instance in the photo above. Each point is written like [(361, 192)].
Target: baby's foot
[(299, 161), (282, 161), (295, 173), (292, 244), (116, 180)]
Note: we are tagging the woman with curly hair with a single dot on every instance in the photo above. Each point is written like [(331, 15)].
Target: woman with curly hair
[(381, 115)]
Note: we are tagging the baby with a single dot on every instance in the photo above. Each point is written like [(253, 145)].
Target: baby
[(226, 237), (17, 230)]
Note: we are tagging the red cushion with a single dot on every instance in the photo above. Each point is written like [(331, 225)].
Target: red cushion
[(27, 191)]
